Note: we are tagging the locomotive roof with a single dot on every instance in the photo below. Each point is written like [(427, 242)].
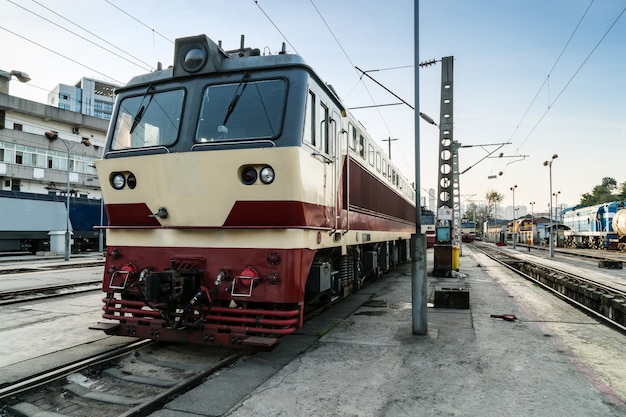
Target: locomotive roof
[(239, 60), (231, 64)]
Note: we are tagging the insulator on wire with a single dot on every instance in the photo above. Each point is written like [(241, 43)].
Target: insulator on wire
[(428, 63)]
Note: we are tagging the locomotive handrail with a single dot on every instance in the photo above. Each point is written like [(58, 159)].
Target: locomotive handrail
[(323, 157), (148, 148), (232, 142)]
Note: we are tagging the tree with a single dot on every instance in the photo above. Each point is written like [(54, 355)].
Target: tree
[(603, 193), (493, 199)]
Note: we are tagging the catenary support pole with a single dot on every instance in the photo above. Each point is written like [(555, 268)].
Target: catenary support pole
[(419, 281)]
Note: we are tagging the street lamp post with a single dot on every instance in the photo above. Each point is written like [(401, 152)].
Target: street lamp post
[(5, 77), (532, 223), (514, 218), (549, 165), (52, 136), (556, 207)]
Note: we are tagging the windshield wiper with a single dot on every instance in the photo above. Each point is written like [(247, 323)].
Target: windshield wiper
[(235, 99), (141, 111)]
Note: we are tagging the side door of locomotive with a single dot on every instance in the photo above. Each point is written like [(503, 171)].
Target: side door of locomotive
[(330, 123), (322, 124)]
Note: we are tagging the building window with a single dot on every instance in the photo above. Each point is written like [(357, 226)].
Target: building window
[(15, 185), (17, 126)]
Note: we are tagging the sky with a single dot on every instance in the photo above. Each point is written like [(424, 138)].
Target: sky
[(532, 78)]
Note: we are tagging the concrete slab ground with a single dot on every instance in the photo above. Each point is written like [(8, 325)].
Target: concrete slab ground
[(363, 360)]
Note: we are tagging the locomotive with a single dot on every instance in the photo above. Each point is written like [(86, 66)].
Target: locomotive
[(595, 227), (239, 192)]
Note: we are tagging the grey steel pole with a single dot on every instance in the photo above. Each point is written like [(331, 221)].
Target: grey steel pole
[(551, 234), (67, 220), (419, 282)]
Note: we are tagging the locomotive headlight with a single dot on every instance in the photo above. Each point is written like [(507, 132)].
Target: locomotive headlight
[(194, 57), (118, 181), (267, 175)]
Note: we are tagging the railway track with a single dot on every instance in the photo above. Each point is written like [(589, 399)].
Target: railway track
[(602, 300), (129, 381), (26, 267), (45, 292)]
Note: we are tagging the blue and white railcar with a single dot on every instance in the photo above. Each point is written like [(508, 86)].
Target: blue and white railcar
[(591, 227)]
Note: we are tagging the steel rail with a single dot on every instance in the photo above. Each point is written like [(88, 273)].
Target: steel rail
[(46, 377), (162, 397), (32, 294), (562, 296)]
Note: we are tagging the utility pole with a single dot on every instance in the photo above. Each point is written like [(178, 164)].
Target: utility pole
[(446, 242), (389, 144)]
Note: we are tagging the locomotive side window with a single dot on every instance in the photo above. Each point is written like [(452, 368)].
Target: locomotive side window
[(362, 146), (334, 131), (324, 128), (309, 120), (148, 120), (378, 161), (245, 110), (370, 154), (352, 136)]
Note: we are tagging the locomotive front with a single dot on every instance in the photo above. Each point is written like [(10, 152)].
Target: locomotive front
[(209, 235)]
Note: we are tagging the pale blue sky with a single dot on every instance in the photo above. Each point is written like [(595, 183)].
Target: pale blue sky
[(504, 51)]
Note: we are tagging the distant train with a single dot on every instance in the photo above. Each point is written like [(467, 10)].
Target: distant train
[(27, 219), (239, 192), (468, 231), (602, 226)]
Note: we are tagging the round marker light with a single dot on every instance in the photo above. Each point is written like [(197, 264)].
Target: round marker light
[(194, 57), (248, 175), (267, 175), (118, 181)]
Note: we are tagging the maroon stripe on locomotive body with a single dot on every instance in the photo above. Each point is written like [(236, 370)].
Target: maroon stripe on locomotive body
[(278, 214), (371, 194), (133, 214)]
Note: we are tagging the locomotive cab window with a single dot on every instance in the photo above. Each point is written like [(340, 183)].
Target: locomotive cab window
[(240, 111), (310, 132), (151, 119)]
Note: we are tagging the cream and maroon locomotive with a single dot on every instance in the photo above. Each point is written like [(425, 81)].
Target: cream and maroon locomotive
[(239, 191)]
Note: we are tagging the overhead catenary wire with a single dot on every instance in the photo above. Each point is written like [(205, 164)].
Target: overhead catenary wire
[(275, 26), (558, 96), (139, 21), (61, 55), (147, 66), (355, 67), (256, 2)]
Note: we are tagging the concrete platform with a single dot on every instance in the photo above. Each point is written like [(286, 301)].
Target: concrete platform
[(361, 358)]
